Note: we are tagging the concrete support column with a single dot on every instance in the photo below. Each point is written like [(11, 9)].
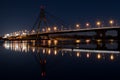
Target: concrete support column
[(101, 35), (118, 39)]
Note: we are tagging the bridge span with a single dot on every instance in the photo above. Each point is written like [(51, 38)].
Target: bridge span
[(100, 33)]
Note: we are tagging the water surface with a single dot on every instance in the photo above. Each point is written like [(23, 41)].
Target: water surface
[(59, 60)]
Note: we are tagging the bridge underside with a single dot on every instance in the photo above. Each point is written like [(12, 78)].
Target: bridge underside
[(73, 34), (63, 37)]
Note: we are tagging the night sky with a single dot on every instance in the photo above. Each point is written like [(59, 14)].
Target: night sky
[(21, 14)]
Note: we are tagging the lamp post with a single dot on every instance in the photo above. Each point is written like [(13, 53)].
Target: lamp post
[(111, 22), (55, 28), (49, 29), (43, 29), (77, 26), (98, 23), (87, 25)]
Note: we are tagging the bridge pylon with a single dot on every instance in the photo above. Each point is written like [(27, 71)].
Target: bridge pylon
[(38, 23), (42, 18)]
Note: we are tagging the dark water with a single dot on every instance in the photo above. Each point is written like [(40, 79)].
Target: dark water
[(59, 60)]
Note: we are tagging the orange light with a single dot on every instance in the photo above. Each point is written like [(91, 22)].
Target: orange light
[(49, 42), (88, 55), (55, 28), (87, 40), (78, 54), (55, 52), (98, 56), (99, 40), (87, 24), (77, 41), (49, 29), (49, 51), (111, 22), (98, 23), (112, 57), (77, 25), (55, 42)]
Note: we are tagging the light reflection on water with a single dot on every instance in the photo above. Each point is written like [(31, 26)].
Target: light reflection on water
[(53, 47), (79, 49)]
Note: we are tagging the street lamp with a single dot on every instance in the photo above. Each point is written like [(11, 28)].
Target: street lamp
[(77, 26), (49, 29), (111, 22), (33, 31), (98, 23), (87, 25), (55, 28), (43, 30)]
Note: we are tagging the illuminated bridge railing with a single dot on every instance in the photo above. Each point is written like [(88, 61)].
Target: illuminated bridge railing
[(26, 32)]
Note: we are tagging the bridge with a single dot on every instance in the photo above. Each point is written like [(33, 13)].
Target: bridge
[(55, 33), (100, 33)]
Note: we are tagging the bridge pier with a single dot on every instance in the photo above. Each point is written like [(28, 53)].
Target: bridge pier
[(101, 46), (118, 39), (46, 37), (101, 35)]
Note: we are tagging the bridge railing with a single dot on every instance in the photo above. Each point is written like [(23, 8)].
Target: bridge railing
[(26, 32)]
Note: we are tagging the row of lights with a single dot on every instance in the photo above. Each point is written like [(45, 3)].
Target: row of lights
[(98, 23), (99, 56), (22, 47), (49, 29), (77, 26), (18, 33)]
